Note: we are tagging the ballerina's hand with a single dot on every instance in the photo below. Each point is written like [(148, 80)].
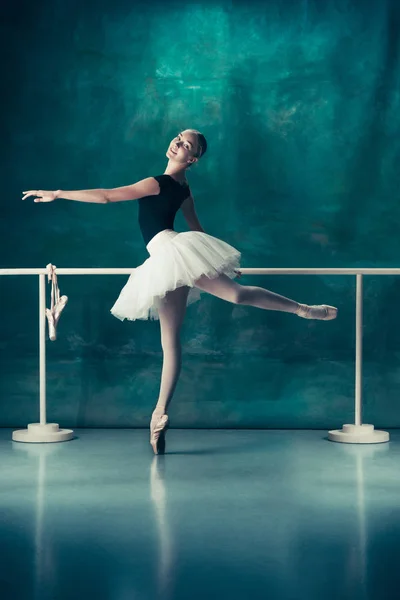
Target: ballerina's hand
[(238, 273), (43, 195)]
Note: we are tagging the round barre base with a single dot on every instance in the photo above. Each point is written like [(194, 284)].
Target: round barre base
[(36, 433), (358, 434)]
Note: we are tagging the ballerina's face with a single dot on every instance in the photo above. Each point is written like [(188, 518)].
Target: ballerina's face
[(183, 148)]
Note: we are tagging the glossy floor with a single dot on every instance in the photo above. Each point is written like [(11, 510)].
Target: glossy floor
[(225, 514)]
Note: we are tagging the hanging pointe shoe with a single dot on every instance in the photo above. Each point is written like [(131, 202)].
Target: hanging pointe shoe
[(322, 312), (158, 429), (59, 307), (53, 316), (57, 303), (52, 327)]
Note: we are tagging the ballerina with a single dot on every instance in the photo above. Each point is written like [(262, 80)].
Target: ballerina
[(181, 265)]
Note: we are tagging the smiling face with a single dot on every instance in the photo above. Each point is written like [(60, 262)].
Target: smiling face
[(183, 148)]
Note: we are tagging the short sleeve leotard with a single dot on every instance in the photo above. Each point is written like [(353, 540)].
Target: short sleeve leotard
[(157, 213)]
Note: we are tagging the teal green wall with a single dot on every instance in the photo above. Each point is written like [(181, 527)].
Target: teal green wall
[(299, 102)]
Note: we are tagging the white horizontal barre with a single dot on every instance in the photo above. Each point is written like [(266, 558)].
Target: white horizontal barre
[(244, 271), (357, 433)]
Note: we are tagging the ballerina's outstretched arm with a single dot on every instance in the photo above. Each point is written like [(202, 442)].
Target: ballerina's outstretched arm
[(145, 187)]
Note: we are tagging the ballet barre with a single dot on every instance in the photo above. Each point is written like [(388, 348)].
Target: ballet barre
[(357, 433)]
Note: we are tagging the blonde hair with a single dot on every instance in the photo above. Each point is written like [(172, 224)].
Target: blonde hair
[(201, 143)]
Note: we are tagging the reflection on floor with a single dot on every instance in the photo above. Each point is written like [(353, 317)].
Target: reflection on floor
[(283, 515)]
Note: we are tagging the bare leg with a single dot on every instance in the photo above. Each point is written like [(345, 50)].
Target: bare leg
[(225, 288), (232, 291), (171, 315)]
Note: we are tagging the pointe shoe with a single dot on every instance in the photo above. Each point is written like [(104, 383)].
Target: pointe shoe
[(57, 303), (322, 312), (157, 434), (53, 316), (59, 307), (52, 329)]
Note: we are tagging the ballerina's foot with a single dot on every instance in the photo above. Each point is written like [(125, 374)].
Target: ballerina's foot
[(158, 429), (322, 312)]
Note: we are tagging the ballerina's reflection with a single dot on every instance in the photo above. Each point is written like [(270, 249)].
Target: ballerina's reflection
[(166, 555)]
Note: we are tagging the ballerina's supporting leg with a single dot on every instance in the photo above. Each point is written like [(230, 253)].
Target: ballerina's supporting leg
[(225, 288), (171, 313)]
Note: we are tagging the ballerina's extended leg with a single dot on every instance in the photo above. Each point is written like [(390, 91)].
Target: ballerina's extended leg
[(227, 289), (171, 315)]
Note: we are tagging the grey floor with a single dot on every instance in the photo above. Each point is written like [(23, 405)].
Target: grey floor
[(224, 514)]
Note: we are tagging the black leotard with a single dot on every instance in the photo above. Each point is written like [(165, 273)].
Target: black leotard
[(158, 212)]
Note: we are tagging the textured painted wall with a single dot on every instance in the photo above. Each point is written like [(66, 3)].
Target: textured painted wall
[(299, 102)]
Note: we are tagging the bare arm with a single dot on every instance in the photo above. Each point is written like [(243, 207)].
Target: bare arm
[(189, 212), (145, 187)]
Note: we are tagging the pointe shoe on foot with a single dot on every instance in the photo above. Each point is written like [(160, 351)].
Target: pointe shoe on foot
[(322, 312), (158, 429)]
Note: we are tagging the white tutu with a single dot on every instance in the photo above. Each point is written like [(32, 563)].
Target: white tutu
[(176, 259)]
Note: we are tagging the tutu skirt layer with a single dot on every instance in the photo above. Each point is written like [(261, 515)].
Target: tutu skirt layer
[(176, 259)]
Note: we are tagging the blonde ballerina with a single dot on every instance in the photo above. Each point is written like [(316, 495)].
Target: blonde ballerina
[(180, 265)]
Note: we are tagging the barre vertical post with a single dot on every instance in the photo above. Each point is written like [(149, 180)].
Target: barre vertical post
[(42, 432), (42, 347), (359, 326), (358, 433)]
